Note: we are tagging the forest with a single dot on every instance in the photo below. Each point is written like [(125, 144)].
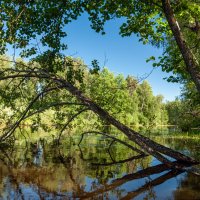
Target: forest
[(128, 99), (100, 129)]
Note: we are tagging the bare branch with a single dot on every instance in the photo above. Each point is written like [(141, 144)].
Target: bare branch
[(120, 161), (22, 117), (114, 138), (70, 120)]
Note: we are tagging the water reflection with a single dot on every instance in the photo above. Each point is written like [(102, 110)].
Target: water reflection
[(37, 150), (41, 171)]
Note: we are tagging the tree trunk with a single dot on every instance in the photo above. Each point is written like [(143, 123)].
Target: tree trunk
[(192, 65), (145, 143)]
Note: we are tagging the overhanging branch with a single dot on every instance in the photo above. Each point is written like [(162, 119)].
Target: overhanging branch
[(70, 120), (151, 147), (54, 104), (114, 139), (22, 117)]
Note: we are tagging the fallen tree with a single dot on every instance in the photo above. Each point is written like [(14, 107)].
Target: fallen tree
[(158, 151)]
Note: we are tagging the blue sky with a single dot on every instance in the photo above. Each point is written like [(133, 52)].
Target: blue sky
[(122, 55)]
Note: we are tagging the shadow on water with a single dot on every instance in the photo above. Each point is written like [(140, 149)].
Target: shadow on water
[(42, 170)]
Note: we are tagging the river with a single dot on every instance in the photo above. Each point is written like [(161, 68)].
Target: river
[(97, 168)]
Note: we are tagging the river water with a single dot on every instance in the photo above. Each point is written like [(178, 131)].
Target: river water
[(97, 168)]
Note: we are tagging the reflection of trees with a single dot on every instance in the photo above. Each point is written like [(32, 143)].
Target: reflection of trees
[(180, 144), (138, 175), (77, 189), (63, 173), (152, 183), (188, 188), (113, 151), (113, 162)]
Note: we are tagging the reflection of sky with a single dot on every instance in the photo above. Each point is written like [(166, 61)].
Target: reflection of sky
[(38, 158), (132, 185), (89, 182), (137, 183), (81, 174), (20, 191), (8, 192), (30, 192), (165, 191)]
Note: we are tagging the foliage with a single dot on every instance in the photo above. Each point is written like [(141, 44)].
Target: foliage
[(187, 15), (129, 101), (37, 27), (185, 112), (149, 21)]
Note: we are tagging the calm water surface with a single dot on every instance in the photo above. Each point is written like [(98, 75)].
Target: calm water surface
[(95, 169)]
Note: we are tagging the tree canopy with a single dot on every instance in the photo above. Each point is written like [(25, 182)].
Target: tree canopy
[(37, 27)]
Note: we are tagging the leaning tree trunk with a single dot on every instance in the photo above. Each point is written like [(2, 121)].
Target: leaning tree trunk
[(192, 65), (145, 143), (153, 148)]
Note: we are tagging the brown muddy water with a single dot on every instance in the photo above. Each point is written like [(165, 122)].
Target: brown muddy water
[(95, 169)]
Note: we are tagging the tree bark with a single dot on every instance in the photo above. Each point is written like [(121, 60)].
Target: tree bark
[(145, 143), (192, 65)]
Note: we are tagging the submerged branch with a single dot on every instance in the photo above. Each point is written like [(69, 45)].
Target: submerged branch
[(114, 139), (69, 121)]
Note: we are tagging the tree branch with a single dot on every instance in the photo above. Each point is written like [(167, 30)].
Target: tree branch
[(54, 104), (115, 139), (129, 177), (192, 64), (145, 143), (16, 124), (70, 120)]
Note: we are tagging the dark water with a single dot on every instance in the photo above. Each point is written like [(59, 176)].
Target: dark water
[(96, 169)]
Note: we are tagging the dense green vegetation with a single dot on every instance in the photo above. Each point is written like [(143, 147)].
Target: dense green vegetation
[(172, 25), (50, 81), (185, 111), (45, 95), (130, 101)]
